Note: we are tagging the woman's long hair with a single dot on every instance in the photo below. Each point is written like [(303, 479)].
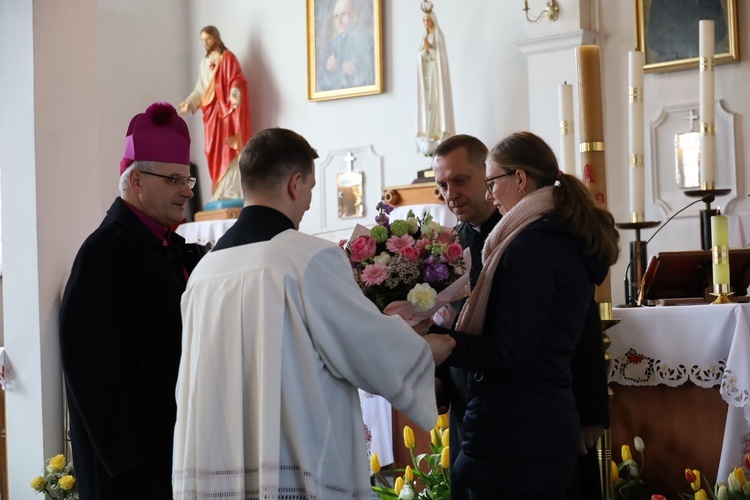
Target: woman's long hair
[(593, 225)]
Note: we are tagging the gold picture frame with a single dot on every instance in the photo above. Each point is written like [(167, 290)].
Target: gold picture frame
[(667, 31), (344, 48)]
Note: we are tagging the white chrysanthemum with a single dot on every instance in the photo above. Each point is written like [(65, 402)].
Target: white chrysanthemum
[(383, 258), (422, 296)]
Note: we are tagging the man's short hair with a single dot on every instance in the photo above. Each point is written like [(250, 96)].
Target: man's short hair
[(475, 149), (271, 156)]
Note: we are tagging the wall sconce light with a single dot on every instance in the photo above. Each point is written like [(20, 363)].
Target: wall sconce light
[(552, 11)]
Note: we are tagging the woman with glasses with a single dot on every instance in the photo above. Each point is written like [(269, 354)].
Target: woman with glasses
[(518, 331)]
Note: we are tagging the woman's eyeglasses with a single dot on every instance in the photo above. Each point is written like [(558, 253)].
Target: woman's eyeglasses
[(176, 180), (490, 181)]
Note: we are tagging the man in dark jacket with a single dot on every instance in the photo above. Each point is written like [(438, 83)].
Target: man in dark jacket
[(459, 173), (120, 326)]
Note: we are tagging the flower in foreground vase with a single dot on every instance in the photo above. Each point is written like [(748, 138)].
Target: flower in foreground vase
[(374, 463), (408, 474), (57, 462), (38, 483), (625, 452), (701, 495), (442, 421), (409, 440), (67, 482), (737, 479)]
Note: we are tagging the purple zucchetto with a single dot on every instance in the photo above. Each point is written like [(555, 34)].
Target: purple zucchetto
[(159, 134)]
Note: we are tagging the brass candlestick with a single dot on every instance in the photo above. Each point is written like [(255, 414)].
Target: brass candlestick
[(604, 445), (722, 293)]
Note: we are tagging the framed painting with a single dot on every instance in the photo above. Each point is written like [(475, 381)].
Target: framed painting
[(344, 48), (667, 31)]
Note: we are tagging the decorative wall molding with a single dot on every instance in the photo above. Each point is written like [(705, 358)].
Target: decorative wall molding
[(674, 120), (371, 165)]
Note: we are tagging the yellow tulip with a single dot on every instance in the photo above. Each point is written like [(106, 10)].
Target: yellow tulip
[(67, 482), (39, 483), (615, 472), (739, 474), (57, 462), (408, 474), (625, 452), (700, 495), (434, 437), (374, 463), (442, 421), (446, 437), (445, 458), (398, 485), (697, 483), (737, 479), (409, 440)]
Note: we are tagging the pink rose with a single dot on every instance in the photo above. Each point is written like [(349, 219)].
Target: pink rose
[(396, 243), (362, 249), (453, 252), (446, 236), (410, 253), (374, 274)]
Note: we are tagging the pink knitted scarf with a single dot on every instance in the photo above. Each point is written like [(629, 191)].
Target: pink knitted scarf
[(532, 207)]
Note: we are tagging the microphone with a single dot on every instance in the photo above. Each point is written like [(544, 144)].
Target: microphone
[(706, 198)]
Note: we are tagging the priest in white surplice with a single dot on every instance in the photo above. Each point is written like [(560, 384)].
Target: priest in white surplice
[(277, 337)]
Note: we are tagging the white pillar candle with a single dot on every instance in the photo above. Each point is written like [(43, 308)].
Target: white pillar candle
[(636, 61), (708, 144), (567, 133)]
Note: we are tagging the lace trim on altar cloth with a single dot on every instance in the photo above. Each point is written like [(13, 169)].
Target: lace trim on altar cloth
[(198, 484), (634, 368)]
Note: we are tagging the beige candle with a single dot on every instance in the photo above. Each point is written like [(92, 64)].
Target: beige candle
[(708, 144), (591, 133), (567, 134), (636, 61)]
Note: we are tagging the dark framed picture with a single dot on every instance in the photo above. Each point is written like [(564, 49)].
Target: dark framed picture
[(667, 31), (344, 48)]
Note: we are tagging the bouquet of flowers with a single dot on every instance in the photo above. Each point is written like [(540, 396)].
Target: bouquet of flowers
[(737, 487), (432, 483), (408, 267), (58, 482)]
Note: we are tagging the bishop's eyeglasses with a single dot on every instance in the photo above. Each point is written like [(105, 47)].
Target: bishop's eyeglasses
[(176, 180), (490, 181)]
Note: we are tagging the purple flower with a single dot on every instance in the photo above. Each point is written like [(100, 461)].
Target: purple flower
[(385, 207), (435, 272)]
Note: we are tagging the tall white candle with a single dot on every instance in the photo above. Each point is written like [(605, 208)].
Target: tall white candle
[(708, 144), (636, 61), (567, 132)]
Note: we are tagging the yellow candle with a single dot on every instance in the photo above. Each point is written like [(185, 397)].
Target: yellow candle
[(591, 133), (720, 242)]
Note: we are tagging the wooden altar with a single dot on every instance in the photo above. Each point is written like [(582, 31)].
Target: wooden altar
[(681, 381)]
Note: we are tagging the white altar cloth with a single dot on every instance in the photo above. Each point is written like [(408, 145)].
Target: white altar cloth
[(205, 232), (706, 344)]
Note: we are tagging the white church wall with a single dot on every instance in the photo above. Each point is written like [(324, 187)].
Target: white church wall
[(269, 37), (144, 55), (662, 90), (50, 195)]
